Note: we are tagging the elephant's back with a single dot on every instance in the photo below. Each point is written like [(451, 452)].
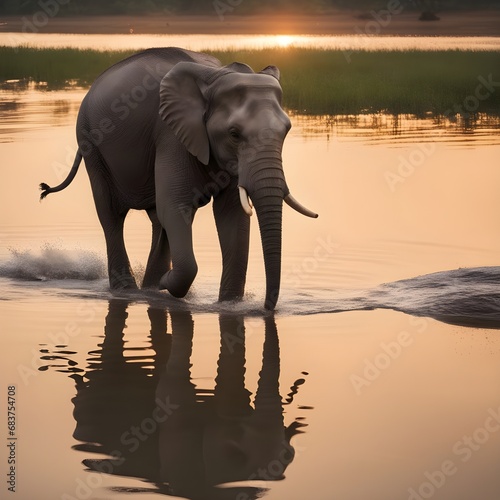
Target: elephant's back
[(119, 114), (140, 74), (153, 63), (128, 92)]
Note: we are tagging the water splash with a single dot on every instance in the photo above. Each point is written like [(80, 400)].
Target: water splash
[(53, 263), (467, 297)]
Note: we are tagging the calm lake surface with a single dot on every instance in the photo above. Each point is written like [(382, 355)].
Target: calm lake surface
[(343, 392)]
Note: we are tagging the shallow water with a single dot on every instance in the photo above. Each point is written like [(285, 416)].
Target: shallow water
[(376, 403)]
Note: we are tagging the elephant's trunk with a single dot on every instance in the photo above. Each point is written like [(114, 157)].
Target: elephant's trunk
[(269, 213), (267, 188)]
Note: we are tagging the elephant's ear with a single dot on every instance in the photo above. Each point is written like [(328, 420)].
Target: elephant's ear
[(183, 106), (273, 71), (238, 67)]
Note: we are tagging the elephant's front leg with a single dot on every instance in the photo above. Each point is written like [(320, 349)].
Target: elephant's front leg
[(178, 226), (159, 255), (175, 211), (233, 227)]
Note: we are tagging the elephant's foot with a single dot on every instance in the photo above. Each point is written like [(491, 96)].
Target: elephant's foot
[(153, 276), (230, 295), (232, 284), (122, 281), (178, 282), (151, 281)]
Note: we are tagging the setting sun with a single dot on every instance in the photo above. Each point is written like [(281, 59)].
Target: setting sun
[(284, 40)]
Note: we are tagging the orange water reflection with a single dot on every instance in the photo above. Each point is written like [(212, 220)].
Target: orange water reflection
[(28, 106), (357, 177), (401, 128)]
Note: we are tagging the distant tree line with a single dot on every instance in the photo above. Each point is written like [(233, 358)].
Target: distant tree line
[(117, 7)]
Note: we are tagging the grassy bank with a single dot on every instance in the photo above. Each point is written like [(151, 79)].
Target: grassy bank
[(315, 81), (413, 82), (56, 66)]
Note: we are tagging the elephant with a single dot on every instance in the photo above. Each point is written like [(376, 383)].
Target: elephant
[(167, 130)]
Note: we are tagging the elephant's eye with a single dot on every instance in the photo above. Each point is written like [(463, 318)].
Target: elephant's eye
[(235, 134)]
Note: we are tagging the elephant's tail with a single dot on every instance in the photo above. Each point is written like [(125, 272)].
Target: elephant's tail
[(46, 189)]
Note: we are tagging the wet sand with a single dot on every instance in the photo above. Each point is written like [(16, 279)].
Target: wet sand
[(481, 23)]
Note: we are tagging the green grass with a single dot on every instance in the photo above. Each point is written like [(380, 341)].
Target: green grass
[(314, 81), (56, 66), (415, 82)]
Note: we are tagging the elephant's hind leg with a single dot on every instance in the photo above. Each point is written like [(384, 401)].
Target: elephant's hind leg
[(119, 270), (111, 215), (159, 255)]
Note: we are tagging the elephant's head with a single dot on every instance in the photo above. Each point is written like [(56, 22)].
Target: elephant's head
[(233, 117)]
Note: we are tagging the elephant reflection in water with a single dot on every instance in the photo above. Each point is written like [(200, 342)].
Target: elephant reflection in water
[(118, 391), (156, 425)]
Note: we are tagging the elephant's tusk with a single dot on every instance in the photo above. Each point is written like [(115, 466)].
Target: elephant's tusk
[(291, 201), (245, 201)]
